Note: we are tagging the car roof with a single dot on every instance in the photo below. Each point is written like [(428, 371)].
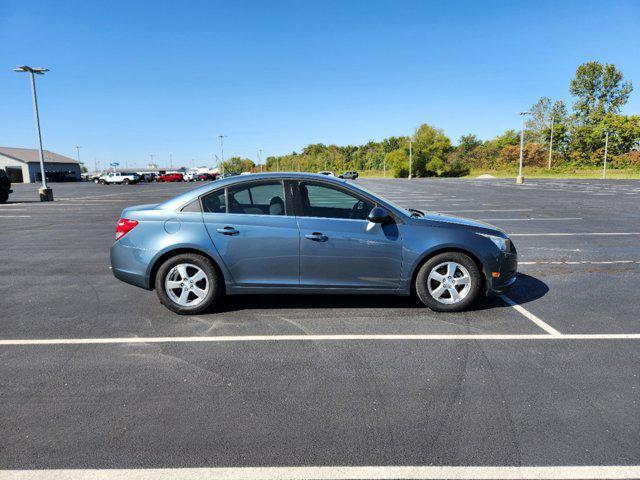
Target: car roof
[(180, 200)]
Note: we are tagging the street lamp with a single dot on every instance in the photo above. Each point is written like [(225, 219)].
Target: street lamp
[(411, 140), (606, 147), (222, 137), (520, 179), (46, 194)]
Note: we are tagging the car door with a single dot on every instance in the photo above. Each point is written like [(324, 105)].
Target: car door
[(254, 232), (339, 247)]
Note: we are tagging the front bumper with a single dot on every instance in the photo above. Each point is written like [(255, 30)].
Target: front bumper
[(507, 265)]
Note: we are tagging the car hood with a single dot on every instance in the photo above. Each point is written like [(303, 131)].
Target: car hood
[(442, 220)]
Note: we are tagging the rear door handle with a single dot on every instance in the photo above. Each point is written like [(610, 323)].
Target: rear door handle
[(228, 231), (317, 237)]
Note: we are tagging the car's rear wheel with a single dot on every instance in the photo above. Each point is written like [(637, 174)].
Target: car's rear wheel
[(125, 181), (187, 284), (103, 182), (448, 282)]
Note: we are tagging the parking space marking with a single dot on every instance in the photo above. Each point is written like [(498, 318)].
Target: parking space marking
[(579, 262), (337, 473), (528, 219), (526, 313), (571, 234), (322, 338), (15, 216), (489, 210)]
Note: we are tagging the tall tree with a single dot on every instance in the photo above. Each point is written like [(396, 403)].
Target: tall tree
[(599, 89)]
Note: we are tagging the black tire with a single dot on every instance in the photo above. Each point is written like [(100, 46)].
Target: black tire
[(215, 286), (125, 181), (422, 277), (4, 196), (96, 180), (103, 182)]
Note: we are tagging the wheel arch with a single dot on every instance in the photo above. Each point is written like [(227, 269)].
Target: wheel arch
[(179, 251), (445, 249)]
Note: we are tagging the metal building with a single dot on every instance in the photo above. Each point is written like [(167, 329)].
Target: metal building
[(23, 165)]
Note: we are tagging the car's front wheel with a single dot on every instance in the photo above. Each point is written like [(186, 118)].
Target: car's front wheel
[(187, 284), (448, 282)]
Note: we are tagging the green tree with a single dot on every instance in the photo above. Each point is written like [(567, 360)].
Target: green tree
[(599, 89), (430, 149), (467, 143), (238, 165)]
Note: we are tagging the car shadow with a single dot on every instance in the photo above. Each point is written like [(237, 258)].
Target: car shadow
[(526, 289)]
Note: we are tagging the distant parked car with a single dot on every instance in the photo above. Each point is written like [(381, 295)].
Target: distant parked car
[(189, 176), (352, 175), (147, 177), (5, 186), (170, 177), (124, 178), (327, 173)]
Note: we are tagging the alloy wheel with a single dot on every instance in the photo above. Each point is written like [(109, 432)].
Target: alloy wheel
[(449, 283), (187, 285)]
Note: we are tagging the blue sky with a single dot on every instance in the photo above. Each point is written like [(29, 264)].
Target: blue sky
[(129, 79)]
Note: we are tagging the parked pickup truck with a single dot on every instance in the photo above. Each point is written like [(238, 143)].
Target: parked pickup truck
[(124, 178)]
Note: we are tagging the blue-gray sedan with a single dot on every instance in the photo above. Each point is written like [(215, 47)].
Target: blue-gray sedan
[(305, 233)]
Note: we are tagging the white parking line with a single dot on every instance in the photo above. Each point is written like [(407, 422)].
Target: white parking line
[(578, 262), (528, 219), (15, 216), (571, 234), (335, 473), (489, 210), (321, 338), (519, 308)]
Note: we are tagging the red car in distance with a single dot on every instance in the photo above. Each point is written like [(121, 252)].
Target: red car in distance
[(170, 177)]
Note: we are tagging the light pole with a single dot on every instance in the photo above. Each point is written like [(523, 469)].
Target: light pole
[(551, 143), (520, 178), (78, 150), (222, 137), (46, 194), (606, 146), (411, 140)]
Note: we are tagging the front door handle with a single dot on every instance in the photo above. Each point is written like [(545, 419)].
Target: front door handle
[(317, 237), (228, 231)]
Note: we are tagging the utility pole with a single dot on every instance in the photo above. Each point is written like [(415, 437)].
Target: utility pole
[(520, 178), (606, 146), (46, 194), (551, 143), (78, 150), (411, 140)]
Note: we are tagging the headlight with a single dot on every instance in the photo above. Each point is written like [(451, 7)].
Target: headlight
[(503, 244)]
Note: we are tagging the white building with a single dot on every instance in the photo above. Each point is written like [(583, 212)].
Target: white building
[(23, 165)]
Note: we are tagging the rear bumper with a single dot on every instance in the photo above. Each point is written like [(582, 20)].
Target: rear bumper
[(130, 264)]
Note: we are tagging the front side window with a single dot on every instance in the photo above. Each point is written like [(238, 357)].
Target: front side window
[(328, 202)]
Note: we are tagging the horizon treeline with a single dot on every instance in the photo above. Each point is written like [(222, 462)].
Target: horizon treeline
[(576, 138)]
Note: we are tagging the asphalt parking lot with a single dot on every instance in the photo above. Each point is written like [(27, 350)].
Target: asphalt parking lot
[(96, 374)]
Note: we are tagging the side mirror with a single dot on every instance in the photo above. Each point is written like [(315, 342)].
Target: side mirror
[(378, 215)]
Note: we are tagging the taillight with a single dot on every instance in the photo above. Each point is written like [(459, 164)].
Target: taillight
[(124, 226)]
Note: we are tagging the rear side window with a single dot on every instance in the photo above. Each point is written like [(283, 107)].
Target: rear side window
[(263, 198), (214, 202)]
